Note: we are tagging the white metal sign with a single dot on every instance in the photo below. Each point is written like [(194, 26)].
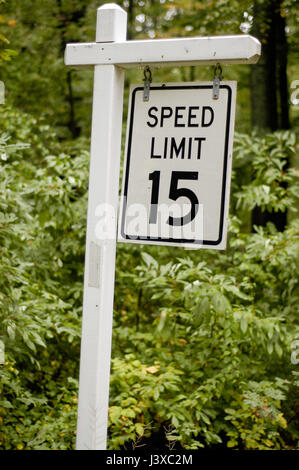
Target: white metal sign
[(177, 170)]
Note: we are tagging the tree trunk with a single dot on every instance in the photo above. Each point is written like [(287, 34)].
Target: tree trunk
[(130, 11), (66, 18), (269, 89), (263, 75), (282, 56)]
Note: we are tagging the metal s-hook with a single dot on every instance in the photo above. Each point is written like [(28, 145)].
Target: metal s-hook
[(147, 83), (216, 82)]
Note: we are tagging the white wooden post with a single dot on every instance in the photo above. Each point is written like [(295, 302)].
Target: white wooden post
[(100, 254)]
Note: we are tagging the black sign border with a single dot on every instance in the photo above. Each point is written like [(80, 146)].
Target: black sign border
[(134, 238)]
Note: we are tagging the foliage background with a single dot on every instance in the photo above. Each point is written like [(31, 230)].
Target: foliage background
[(203, 340)]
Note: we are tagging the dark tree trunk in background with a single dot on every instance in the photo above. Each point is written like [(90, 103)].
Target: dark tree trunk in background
[(282, 59), (72, 123), (263, 74), (66, 18), (130, 12), (269, 87)]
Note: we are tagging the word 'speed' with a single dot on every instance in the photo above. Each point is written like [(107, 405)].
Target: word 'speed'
[(181, 116)]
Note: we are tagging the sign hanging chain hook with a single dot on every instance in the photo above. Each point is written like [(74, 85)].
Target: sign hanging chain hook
[(216, 82), (147, 73)]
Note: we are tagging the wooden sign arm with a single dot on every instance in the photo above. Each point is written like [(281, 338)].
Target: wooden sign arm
[(239, 49)]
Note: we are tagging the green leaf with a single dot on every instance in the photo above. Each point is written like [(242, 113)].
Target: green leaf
[(270, 347), (149, 260), (139, 429), (243, 323), (11, 332), (114, 413), (278, 350), (175, 421)]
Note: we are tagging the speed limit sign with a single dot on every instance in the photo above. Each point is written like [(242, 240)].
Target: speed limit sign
[(177, 168)]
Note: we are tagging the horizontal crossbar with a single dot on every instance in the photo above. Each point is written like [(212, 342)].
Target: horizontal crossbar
[(238, 49)]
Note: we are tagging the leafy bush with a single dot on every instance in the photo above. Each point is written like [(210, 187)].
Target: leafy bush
[(226, 334), (221, 325), (202, 340), (40, 290)]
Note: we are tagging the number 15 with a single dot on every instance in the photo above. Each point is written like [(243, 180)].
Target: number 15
[(174, 194)]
